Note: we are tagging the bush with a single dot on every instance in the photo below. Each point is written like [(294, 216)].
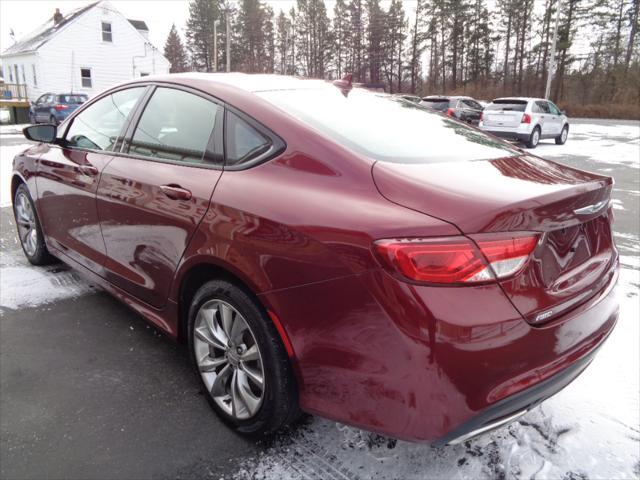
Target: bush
[(602, 110)]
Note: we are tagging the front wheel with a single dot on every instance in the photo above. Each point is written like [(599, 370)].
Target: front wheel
[(562, 138), (29, 229), (534, 138), (240, 360)]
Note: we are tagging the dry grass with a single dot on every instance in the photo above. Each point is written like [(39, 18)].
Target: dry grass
[(605, 110)]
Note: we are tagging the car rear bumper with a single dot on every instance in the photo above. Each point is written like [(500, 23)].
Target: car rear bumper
[(430, 364), (509, 135), (511, 408)]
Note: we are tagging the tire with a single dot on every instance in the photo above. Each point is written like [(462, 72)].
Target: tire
[(534, 138), (29, 229), (219, 362), (562, 138)]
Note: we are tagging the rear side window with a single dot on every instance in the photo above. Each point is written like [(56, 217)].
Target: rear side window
[(98, 127), (472, 104), (177, 126), (385, 128), (508, 105), (244, 143)]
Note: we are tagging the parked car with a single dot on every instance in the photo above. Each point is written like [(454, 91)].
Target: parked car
[(411, 98), (463, 108), (525, 119), (411, 277), (54, 108)]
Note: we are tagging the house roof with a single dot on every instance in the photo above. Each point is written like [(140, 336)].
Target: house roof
[(45, 32), (138, 24)]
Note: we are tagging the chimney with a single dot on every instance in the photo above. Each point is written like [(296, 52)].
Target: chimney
[(57, 17)]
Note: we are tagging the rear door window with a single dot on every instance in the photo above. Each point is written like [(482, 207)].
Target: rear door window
[(99, 126), (541, 107), (177, 126), (552, 108), (472, 104)]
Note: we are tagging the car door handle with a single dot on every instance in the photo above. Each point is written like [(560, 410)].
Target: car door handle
[(89, 170), (175, 192)]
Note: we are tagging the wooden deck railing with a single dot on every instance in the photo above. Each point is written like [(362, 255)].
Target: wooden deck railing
[(13, 91)]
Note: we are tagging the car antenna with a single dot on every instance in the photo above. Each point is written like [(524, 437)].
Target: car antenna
[(345, 83)]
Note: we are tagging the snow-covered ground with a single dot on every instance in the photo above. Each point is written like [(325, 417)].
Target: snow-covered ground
[(589, 430)]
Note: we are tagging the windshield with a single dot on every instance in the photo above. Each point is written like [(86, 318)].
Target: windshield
[(386, 128), (507, 105)]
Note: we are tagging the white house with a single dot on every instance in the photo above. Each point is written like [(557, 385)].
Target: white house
[(85, 51)]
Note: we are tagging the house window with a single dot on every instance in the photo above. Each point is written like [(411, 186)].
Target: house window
[(85, 75), (24, 78), (106, 32), (10, 74), (35, 79)]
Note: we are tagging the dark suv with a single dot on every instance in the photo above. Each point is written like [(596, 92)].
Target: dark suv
[(463, 108), (54, 108)]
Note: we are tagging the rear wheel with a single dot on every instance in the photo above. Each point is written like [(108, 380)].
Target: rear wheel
[(29, 229), (240, 359), (534, 138), (562, 138)]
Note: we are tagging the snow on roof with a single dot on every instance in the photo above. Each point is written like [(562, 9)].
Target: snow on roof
[(45, 32)]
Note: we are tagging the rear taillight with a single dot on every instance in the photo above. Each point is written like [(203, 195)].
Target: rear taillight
[(59, 107), (526, 118), (451, 112), (481, 116), (457, 260)]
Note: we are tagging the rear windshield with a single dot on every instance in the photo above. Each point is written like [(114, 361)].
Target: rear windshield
[(440, 104), (385, 128), (507, 105), (73, 99)]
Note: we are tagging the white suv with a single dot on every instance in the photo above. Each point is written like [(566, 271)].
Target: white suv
[(525, 119)]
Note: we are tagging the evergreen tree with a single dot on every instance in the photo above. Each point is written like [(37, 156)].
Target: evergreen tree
[(175, 52), (199, 32)]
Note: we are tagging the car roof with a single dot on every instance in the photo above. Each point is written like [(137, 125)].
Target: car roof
[(250, 82), (520, 99)]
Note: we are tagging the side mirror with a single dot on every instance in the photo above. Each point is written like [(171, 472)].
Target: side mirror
[(41, 133)]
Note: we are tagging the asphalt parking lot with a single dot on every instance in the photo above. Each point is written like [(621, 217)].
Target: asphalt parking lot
[(89, 390)]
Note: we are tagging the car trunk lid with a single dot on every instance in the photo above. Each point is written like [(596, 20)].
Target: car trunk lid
[(566, 208), (504, 113)]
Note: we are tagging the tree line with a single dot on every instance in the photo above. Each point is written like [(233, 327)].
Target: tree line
[(428, 46)]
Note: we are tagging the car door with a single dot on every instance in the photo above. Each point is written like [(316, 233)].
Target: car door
[(41, 107), (541, 110), (68, 175), (473, 110), (155, 192), (555, 118)]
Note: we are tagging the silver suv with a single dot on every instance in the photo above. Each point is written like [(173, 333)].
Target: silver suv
[(525, 119)]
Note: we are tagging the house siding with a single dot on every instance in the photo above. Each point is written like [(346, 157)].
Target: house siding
[(79, 45)]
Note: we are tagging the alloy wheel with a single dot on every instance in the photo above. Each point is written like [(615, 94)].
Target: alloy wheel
[(536, 137), (564, 135), (229, 359), (26, 221)]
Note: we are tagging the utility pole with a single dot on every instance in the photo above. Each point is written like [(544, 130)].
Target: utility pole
[(215, 45), (552, 61), (228, 46)]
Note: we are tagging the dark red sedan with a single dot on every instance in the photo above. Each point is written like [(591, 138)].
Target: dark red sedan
[(329, 250)]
